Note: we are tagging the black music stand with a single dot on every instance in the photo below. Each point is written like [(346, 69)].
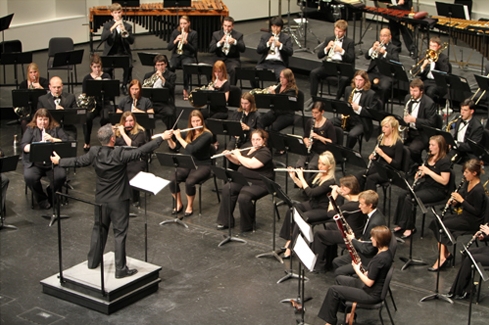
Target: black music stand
[(175, 161), (226, 128), (64, 60), (483, 83), (446, 135), (442, 230), (276, 191), (457, 87), (104, 88), (256, 77), (230, 176), (41, 152), (27, 98), (479, 151), (7, 164), (5, 24), (14, 59), (208, 98), (274, 100), (146, 120), (159, 95), (111, 62), (451, 10), (147, 59), (198, 69), (69, 117), (394, 70), (335, 106), (345, 155), (343, 70), (177, 3)]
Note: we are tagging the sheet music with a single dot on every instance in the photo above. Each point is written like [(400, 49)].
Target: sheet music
[(305, 228), (149, 182), (306, 255)]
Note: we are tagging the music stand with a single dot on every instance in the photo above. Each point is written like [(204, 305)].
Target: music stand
[(104, 88), (147, 59), (394, 70), (343, 70), (457, 87), (69, 116), (479, 151), (41, 152), (7, 164), (199, 69), (5, 24), (177, 3), (175, 161), (127, 3), (27, 98), (344, 154), (158, 95), (451, 10), (110, 62), (483, 83), (273, 188), (230, 176), (272, 101), (226, 128), (14, 59), (64, 60), (442, 229), (335, 106), (208, 97), (446, 135)]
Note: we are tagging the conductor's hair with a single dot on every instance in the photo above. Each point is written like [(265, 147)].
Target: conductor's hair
[(371, 198), (104, 134)]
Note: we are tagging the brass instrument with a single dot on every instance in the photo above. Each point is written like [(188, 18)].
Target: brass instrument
[(450, 123), (262, 91), (403, 130), (344, 118), (226, 46), (481, 95), (86, 102), (430, 55), (374, 153), (309, 147), (331, 52), (180, 43), (450, 200), (375, 53), (473, 239), (191, 98), (485, 187), (182, 130), (149, 82), (124, 32), (345, 229), (273, 48)]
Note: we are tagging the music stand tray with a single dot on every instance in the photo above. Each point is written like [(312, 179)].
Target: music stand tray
[(273, 100), (68, 58), (177, 3), (115, 61), (27, 97), (69, 116), (16, 58), (342, 69), (208, 97), (104, 88), (335, 106), (451, 10), (147, 59), (5, 22), (156, 95), (446, 135), (225, 127)]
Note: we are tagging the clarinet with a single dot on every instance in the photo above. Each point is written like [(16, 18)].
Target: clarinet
[(369, 165), (310, 137), (345, 229), (416, 180), (472, 240), (450, 200)]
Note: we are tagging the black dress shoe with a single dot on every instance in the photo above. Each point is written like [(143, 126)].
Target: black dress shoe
[(221, 227), (188, 214), (461, 297), (124, 273), (432, 269), (407, 236), (45, 205), (449, 295), (174, 211)]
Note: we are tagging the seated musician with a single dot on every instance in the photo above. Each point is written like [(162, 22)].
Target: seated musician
[(318, 132), (227, 44), (367, 202), (195, 142), (433, 177), (252, 163), (367, 288), (135, 102), (388, 151), (247, 115), (221, 83), (316, 190), (163, 78), (382, 50), (57, 99), (183, 46), (279, 117), (428, 65), (275, 49), (33, 81), (42, 128), (462, 285), (129, 133), (326, 240), (472, 201), (397, 28), (419, 111), (467, 127), (361, 98), (100, 108), (335, 48)]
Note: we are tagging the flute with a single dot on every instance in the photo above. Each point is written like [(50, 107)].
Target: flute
[(229, 153), (296, 169), (183, 130)]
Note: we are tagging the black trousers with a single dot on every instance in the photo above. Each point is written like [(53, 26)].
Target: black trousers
[(33, 175), (454, 222), (325, 245), (275, 120), (117, 213), (191, 177), (310, 215), (276, 66), (177, 61), (462, 280), (320, 73), (396, 30), (354, 131), (244, 195)]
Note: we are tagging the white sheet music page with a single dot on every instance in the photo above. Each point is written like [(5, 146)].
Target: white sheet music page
[(306, 255), (149, 182), (305, 228)]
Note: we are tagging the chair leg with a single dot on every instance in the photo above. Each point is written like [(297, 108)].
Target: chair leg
[(217, 189), (200, 200), (388, 312), (380, 316), (392, 299), (454, 253), (422, 225)]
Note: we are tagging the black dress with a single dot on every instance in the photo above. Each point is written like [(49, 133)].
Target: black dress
[(250, 120), (280, 117), (373, 177)]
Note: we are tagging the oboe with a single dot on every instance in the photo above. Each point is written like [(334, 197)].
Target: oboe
[(472, 240), (450, 200)]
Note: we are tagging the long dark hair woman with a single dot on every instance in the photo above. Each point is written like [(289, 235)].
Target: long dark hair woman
[(247, 115)]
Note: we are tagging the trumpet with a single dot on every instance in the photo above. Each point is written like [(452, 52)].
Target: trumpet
[(297, 169), (331, 50), (230, 153), (376, 52), (180, 43), (263, 91), (450, 200), (430, 55), (182, 130), (123, 31), (273, 48), (472, 240), (481, 95), (226, 46)]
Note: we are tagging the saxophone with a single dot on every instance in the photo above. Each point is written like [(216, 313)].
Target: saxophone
[(149, 82), (452, 122), (403, 130), (344, 118)]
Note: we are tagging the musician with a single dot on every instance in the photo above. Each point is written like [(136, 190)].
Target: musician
[(42, 128), (184, 46), (419, 111), (135, 102), (318, 133), (196, 143), (326, 240), (252, 163), (247, 115), (57, 99), (112, 191), (367, 202), (388, 152), (442, 64), (281, 117), (269, 42), (100, 108), (162, 77), (462, 285), (433, 177), (221, 83), (336, 48), (227, 44), (467, 127), (397, 29), (129, 133), (367, 288), (316, 190), (118, 38), (472, 200), (34, 80), (382, 50), (361, 98)]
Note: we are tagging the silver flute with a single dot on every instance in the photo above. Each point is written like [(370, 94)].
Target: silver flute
[(297, 169), (183, 130), (230, 152)]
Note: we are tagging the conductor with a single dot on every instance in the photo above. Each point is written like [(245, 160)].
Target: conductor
[(112, 191)]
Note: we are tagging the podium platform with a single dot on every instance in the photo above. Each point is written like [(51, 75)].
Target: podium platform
[(82, 285)]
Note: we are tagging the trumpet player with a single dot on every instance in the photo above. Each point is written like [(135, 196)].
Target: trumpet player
[(118, 38), (466, 127), (34, 80), (381, 50), (226, 45), (135, 102), (183, 46), (428, 65), (162, 77), (275, 49), (337, 48), (472, 200)]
